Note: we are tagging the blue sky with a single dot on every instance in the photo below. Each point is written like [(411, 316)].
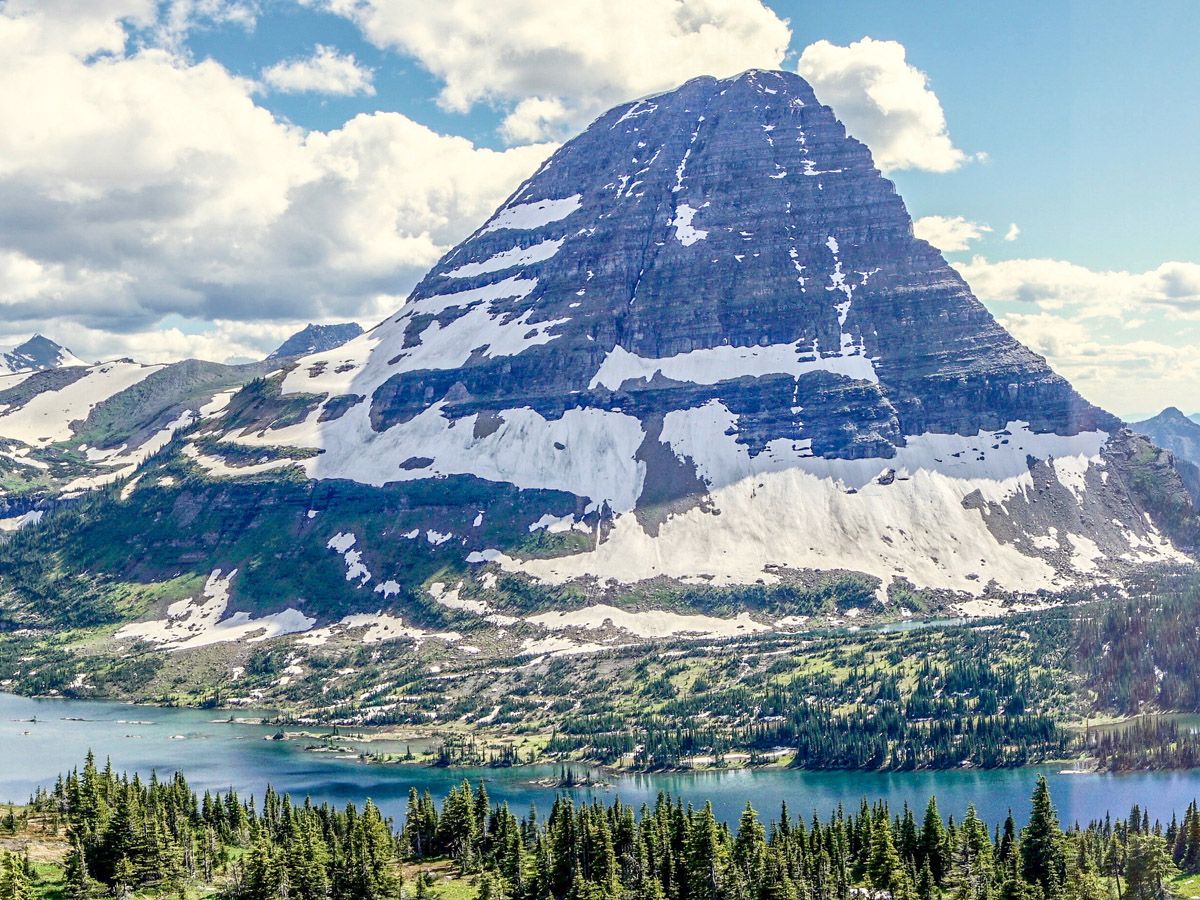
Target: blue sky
[(1087, 111), (245, 166)]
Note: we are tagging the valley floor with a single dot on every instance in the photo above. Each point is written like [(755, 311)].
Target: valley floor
[(1103, 685)]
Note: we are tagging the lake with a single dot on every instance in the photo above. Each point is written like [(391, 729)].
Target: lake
[(216, 754)]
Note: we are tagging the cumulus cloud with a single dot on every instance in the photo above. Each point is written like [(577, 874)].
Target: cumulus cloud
[(884, 101), (1172, 288), (949, 233), (534, 119), (163, 189), (1013, 232), (325, 72), (1115, 335), (575, 58), (1133, 378)]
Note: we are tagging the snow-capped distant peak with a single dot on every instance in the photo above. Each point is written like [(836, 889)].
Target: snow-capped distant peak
[(37, 354)]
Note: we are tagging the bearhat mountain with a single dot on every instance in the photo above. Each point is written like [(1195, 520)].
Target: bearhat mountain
[(707, 320)]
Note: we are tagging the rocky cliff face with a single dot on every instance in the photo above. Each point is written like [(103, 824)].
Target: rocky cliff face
[(707, 319)]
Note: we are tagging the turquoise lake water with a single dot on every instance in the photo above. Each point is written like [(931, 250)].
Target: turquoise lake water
[(216, 754)]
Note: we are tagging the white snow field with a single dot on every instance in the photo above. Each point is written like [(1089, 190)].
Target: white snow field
[(47, 417), (198, 623)]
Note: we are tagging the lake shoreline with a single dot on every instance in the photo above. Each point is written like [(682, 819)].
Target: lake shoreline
[(217, 756)]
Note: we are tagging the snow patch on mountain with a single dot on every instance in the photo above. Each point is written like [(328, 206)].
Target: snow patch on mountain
[(15, 523), (47, 417), (713, 365), (588, 452), (784, 507), (122, 461), (199, 623), (343, 544), (534, 214), (362, 365), (508, 259), (685, 232), (374, 628)]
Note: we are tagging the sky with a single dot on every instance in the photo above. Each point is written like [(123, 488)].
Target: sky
[(203, 177)]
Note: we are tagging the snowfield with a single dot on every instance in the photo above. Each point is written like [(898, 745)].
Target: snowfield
[(199, 623), (47, 417)]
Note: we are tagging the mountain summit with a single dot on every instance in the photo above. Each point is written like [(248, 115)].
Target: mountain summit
[(38, 354), (708, 320), (316, 339)]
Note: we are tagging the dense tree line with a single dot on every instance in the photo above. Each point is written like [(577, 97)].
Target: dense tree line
[(1144, 652), (153, 838), (669, 852), (127, 836), (965, 712), (1148, 742)]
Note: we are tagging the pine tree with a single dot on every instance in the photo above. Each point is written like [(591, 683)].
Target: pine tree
[(77, 881), (1148, 868), (15, 883), (705, 856), (884, 866), (931, 841), (750, 846), (1041, 842)]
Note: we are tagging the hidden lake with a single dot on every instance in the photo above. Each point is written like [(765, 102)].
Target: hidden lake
[(41, 738)]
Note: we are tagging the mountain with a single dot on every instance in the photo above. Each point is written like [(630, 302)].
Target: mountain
[(708, 322), (695, 376), (316, 339), (36, 354), (1174, 431), (80, 427)]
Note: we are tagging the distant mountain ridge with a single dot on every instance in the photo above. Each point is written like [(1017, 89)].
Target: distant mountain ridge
[(1172, 430)]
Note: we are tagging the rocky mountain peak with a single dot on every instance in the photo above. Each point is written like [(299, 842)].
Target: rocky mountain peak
[(316, 339), (708, 320), (38, 354)]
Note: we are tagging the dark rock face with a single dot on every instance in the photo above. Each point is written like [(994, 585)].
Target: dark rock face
[(708, 320), (315, 339), (737, 214), (37, 354)]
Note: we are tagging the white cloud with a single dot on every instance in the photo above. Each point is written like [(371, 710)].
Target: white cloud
[(1172, 287), (884, 101), (178, 17), (325, 72), (534, 119), (949, 233), (1013, 232), (584, 55), (1133, 378), (1115, 335), (163, 189)]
